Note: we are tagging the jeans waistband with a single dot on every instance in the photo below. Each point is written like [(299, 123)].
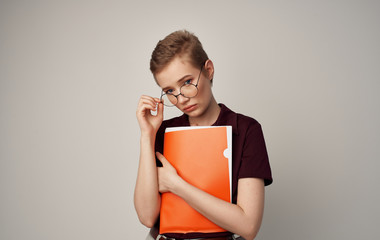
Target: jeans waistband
[(233, 237), (154, 235)]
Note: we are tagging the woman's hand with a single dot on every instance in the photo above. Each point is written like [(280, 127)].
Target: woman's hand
[(148, 122), (168, 177)]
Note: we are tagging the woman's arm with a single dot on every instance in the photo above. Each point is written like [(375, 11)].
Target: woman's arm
[(147, 199), (243, 218)]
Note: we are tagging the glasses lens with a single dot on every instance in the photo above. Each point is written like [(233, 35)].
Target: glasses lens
[(169, 100), (189, 90)]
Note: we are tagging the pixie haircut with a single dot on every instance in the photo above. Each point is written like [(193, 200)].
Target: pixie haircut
[(177, 44)]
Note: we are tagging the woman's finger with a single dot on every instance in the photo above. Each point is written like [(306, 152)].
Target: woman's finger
[(153, 99), (160, 110), (162, 159), (147, 100)]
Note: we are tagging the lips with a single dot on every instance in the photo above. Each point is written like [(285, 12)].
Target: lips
[(190, 108)]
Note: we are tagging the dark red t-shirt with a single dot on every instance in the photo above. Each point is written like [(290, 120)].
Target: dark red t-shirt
[(249, 153)]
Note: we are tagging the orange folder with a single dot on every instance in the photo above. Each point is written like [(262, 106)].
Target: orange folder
[(202, 157)]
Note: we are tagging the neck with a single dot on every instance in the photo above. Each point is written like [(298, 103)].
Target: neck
[(209, 116)]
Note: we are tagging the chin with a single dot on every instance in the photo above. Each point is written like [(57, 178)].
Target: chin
[(194, 114)]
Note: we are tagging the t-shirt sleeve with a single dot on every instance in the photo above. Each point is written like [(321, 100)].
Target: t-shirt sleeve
[(159, 143), (255, 162)]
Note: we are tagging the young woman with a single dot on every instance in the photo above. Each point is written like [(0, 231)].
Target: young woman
[(183, 71)]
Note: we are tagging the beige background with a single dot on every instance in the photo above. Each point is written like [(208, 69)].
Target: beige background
[(72, 71)]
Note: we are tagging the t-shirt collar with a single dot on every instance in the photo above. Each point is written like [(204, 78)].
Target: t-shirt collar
[(226, 118)]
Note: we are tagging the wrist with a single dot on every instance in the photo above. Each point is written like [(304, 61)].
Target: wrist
[(148, 134), (178, 186), (147, 139)]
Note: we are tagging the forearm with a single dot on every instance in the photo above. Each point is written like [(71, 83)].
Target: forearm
[(147, 198), (232, 217)]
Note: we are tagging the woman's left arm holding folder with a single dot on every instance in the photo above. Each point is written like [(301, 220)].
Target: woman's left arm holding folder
[(243, 218)]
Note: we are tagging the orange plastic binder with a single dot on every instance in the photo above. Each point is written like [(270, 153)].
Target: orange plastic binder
[(202, 157)]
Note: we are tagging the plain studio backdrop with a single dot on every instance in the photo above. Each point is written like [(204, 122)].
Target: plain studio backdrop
[(72, 72)]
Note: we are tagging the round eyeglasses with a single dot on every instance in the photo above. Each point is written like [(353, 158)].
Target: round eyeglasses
[(187, 90)]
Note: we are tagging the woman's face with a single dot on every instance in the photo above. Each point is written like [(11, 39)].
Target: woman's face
[(179, 72)]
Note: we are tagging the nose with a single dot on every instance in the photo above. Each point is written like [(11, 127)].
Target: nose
[(182, 99)]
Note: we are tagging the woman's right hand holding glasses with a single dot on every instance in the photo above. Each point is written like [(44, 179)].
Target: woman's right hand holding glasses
[(149, 123)]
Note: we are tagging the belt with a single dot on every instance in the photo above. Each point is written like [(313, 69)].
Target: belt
[(154, 235), (233, 237), (218, 238)]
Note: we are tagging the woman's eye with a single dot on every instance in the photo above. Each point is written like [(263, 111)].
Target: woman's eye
[(188, 82), (170, 91)]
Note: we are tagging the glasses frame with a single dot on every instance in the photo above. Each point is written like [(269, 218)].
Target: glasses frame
[(180, 92)]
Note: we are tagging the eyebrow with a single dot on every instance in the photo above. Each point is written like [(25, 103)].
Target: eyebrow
[(179, 80)]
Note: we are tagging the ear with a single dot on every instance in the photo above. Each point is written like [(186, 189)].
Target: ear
[(209, 67)]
